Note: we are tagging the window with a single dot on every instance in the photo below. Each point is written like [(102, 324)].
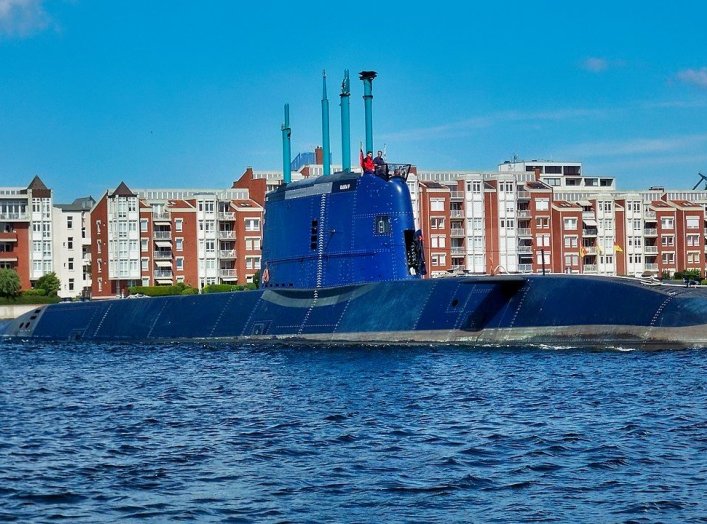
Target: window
[(693, 257), (210, 246), (667, 240), (437, 241), (571, 260), (437, 223), (71, 284), (439, 259), (542, 223), (693, 240), (667, 222), (70, 243), (570, 223), (542, 240), (143, 244), (179, 261), (69, 222), (668, 258), (507, 223), (437, 204), (553, 170), (637, 225), (552, 181), (476, 186), (252, 244), (605, 206), (693, 223), (179, 244), (570, 241), (70, 265), (178, 224), (252, 262), (252, 224), (143, 224), (543, 259), (144, 263), (542, 204)]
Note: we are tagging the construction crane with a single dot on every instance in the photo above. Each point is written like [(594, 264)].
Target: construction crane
[(703, 178)]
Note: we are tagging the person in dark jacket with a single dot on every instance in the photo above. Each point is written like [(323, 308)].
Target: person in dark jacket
[(380, 165)]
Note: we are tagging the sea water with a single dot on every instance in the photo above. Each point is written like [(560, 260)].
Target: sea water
[(273, 433)]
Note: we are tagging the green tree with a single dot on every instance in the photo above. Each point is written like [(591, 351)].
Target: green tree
[(50, 283), (9, 283)]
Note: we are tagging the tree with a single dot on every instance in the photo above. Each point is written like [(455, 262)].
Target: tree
[(9, 283), (50, 283)]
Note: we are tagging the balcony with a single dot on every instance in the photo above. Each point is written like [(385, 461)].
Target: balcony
[(227, 253), (589, 268), (456, 213), (525, 268), (651, 267), (228, 274), (457, 195), (226, 216), (457, 232), (458, 251), (589, 232), (14, 217), (589, 250), (162, 255), (525, 250), (226, 235), (524, 232), (162, 216), (523, 195), (8, 236), (8, 256), (650, 250), (162, 235), (649, 215), (523, 213), (163, 273), (650, 232)]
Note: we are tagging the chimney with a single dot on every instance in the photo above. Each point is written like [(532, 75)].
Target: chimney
[(319, 156), (537, 173)]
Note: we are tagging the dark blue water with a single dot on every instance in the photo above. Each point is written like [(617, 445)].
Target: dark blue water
[(350, 434)]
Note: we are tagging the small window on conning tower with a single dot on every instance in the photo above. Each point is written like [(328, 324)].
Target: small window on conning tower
[(382, 225), (314, 235)]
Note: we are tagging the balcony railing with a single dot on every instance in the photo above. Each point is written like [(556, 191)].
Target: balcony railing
[(226, 215), (456, 213), (525, 250), (523, 195), (589, 250), (14, 216), (227, 253), (162, 235), (457, 232), (650, 250), (525, 268), (649, 215), (163, 255), (458, 251), (161, 216), (163, 273), (227, 235), (227, 273), (523, 213), (590, 232), (524, 232), (651, 267), (457, 195), (589, 268), (650, 232)]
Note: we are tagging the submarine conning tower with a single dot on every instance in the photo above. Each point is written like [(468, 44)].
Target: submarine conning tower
[(342, 229)]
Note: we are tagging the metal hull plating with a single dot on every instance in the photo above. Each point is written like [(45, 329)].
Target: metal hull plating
[(553, 309)]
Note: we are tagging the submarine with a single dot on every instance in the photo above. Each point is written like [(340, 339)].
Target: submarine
[(342, 262)]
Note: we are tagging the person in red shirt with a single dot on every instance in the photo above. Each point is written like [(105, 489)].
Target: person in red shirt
[(367, 162)]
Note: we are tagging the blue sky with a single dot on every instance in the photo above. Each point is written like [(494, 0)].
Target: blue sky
[(188, 94)]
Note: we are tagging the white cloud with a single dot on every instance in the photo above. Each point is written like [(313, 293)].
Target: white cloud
[(595, 64), (20, 18), (696, 77)]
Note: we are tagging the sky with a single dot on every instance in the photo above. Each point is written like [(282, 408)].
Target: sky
[(187, 94)]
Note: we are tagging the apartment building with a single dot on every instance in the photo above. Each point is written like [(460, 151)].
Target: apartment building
[(165, 236), (72, 247), (26, 231)]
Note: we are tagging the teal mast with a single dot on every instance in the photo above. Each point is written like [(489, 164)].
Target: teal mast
[(367, 77), (286, 134), (325, 128), (345, 124)]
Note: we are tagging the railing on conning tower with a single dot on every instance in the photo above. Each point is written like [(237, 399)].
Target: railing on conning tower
[(390, 170)]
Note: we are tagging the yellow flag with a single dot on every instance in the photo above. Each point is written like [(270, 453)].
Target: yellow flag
[(617, 248)]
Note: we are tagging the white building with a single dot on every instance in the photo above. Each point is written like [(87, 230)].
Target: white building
[(72, 246)]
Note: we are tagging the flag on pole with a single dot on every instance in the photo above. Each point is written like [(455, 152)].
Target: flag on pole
[(617, 248)]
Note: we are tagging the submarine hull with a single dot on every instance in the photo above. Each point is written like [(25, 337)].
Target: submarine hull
[(508, 309)]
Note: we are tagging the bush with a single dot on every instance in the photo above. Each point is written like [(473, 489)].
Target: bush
[(34, 292), (49, 282), (10, 285), (221, 288), (691, 274), (162, 291), (28, 299)]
